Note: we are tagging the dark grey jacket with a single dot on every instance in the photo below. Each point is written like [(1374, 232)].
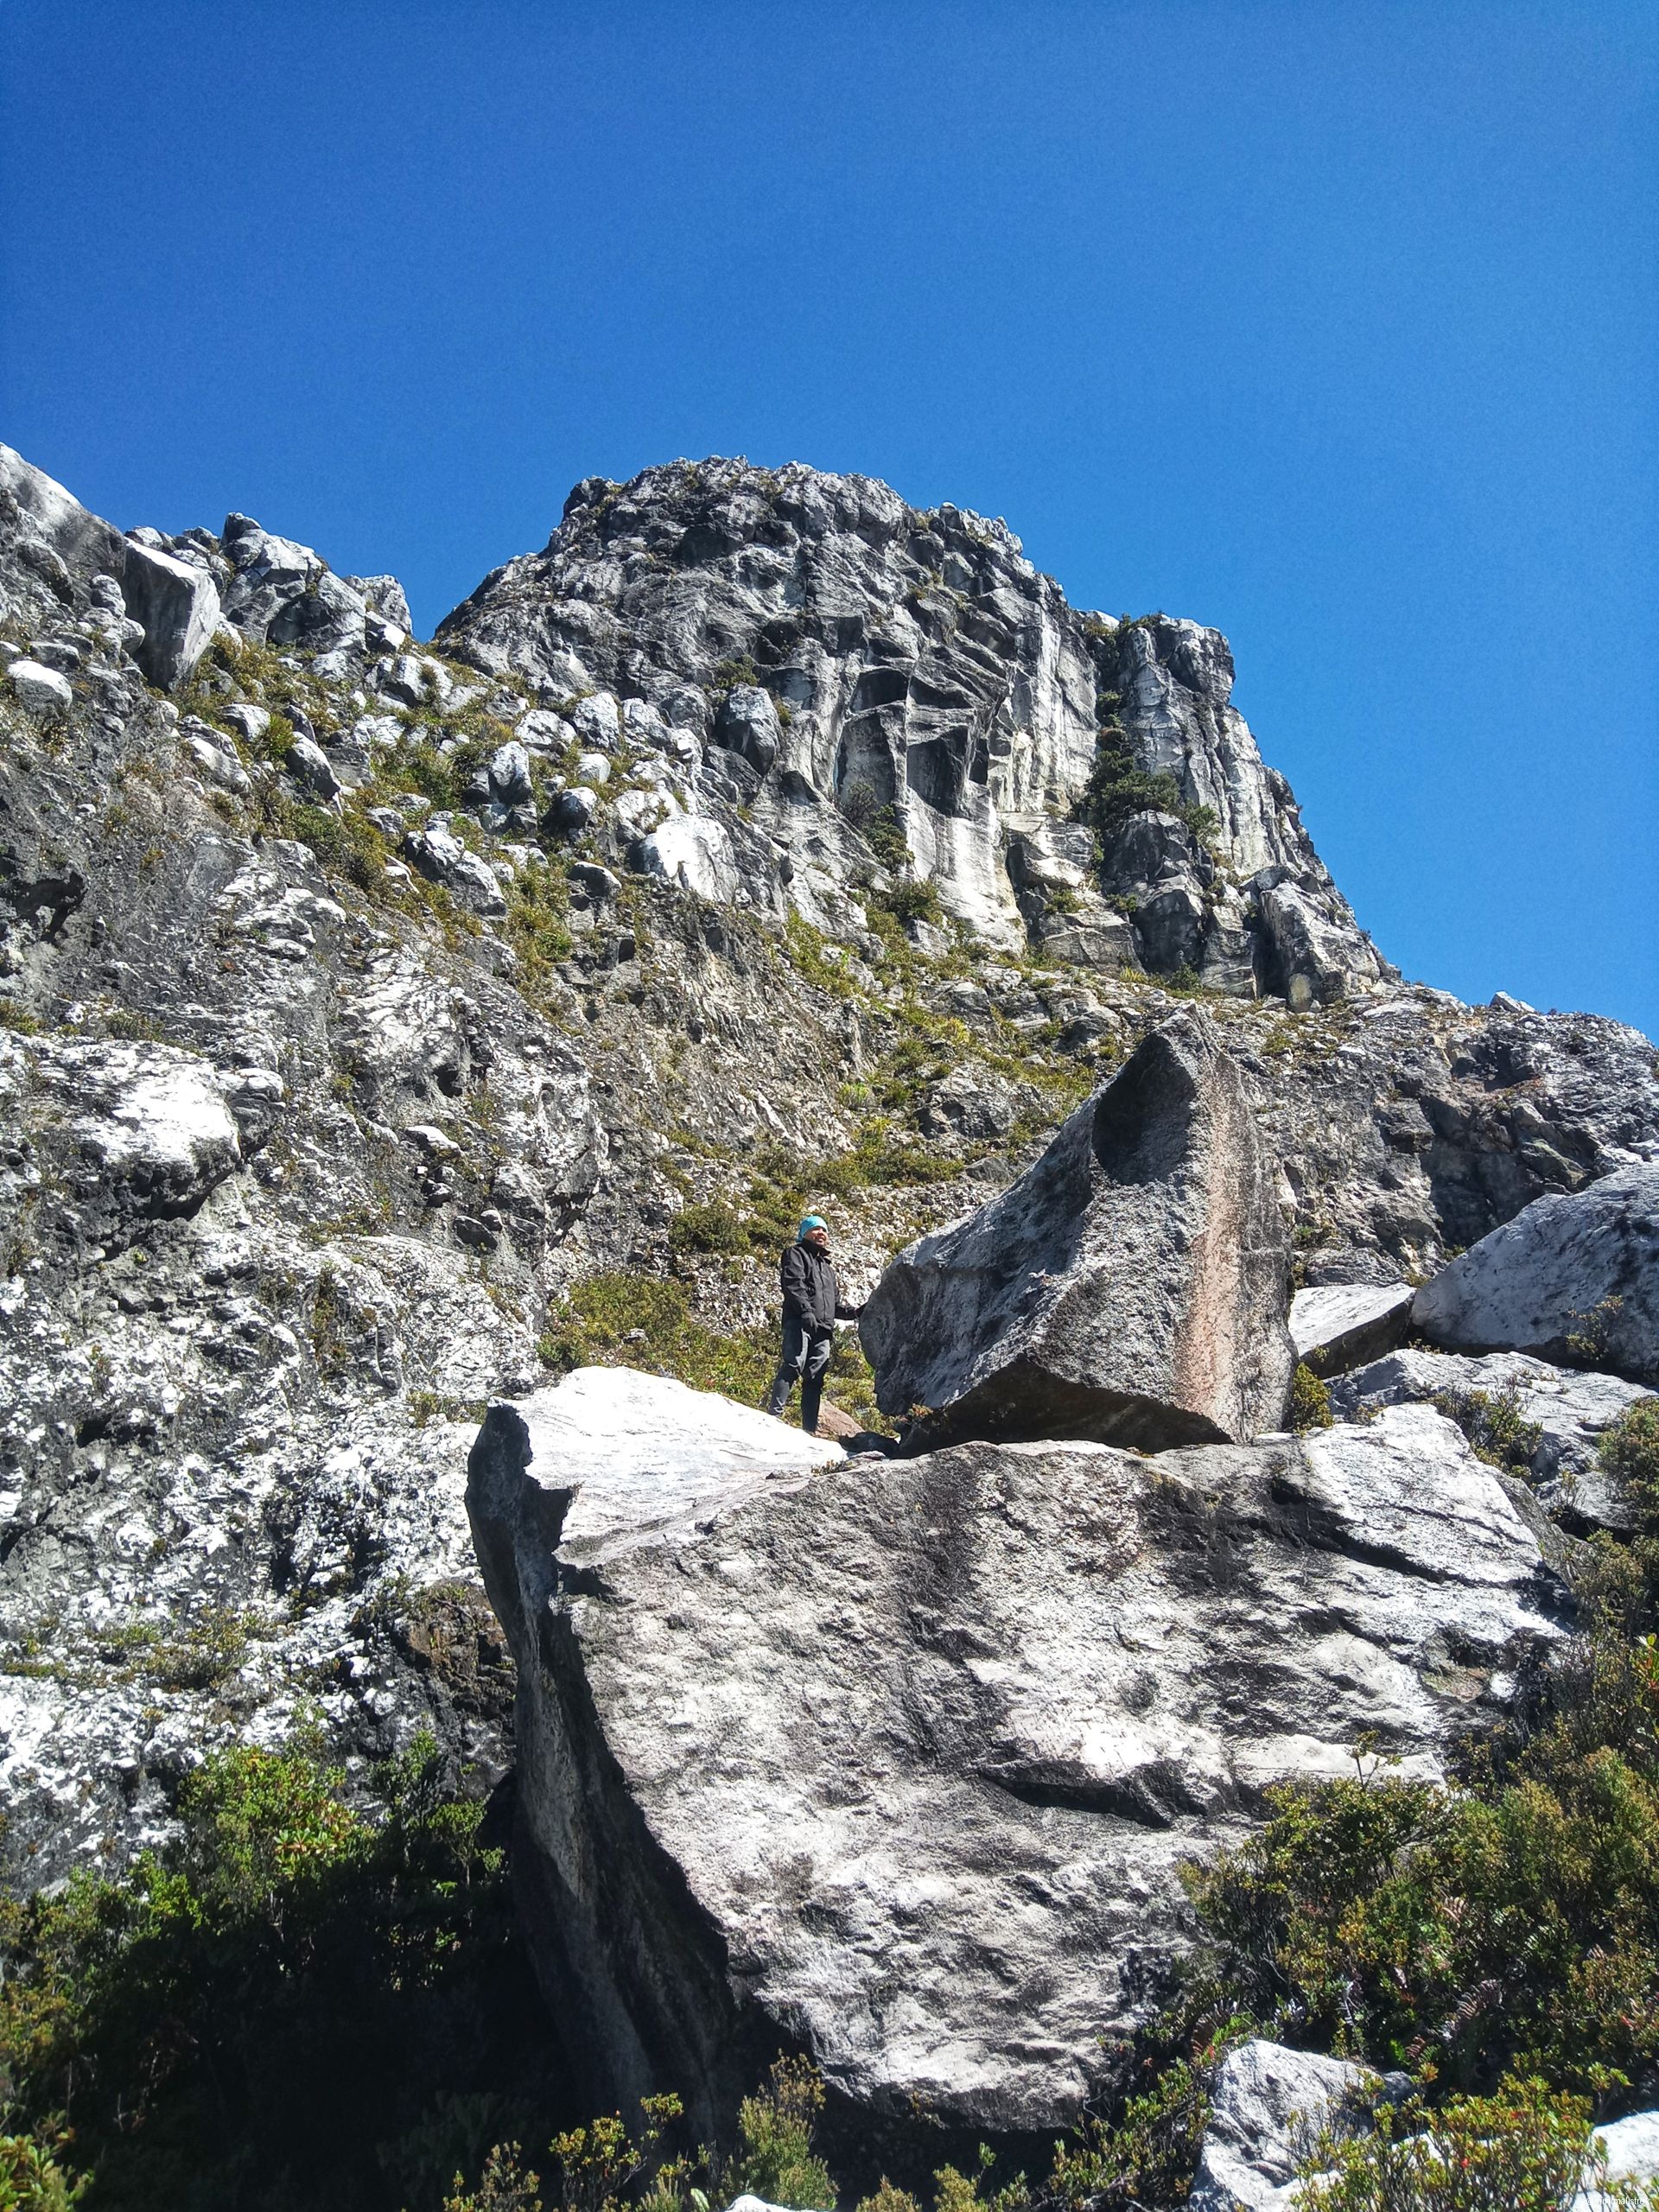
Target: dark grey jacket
[(811, 1294)]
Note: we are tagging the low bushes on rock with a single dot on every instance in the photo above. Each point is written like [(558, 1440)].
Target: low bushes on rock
[(1526, 2149), (300, 2004)]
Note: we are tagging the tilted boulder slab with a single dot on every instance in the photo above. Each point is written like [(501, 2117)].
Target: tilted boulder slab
[(1131, 1287), (1340, 1325), (895, 1761), (1574, 1276)]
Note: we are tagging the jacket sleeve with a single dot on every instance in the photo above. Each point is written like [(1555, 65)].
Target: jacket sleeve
[(843, 1311), (791, 1274)]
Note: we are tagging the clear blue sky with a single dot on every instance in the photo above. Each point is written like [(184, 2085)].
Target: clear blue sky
[(1335, 324)]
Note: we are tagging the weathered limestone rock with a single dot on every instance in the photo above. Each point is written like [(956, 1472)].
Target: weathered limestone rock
[(440, 854), (1269, 2105), (285, 594), (1572, 1275), (693, 853), (1569, 1409), (1131, 1285), (41, 691), (179, 607), (1334, 1326), (897, 1758)]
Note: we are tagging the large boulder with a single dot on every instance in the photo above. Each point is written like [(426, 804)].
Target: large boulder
[(1575, 1275), (178, 606), (897, 1760), (1131, 1286)]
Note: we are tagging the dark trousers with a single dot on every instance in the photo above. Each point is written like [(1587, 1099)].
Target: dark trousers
[(806, 1355)]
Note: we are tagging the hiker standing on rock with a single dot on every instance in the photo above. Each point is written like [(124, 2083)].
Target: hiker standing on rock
[(812, 1307)]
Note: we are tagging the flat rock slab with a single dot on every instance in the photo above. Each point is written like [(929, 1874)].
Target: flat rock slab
[(1569, 1409), (620, 1456), (897, 1760), (1130, 1287), (1575, 1275), (1339, 1324)]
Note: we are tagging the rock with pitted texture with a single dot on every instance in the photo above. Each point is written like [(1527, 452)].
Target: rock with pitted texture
[(1131, 1286), (899, 1758), (1554, 1420)]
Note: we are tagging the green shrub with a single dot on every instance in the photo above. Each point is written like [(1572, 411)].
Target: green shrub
[(876, 823), (1628, 1451), (1149, 2153), (31, 2180), (262, 2013), (775, 2158), (912, 900), (887, 2198), (711, 1225), (1515, 1923), (1310, 1400), (1119, 787), (1525, 2149), (1492, 1422), (504, 2186)]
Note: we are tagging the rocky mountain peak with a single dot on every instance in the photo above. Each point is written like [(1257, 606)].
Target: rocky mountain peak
[(1063, 779)]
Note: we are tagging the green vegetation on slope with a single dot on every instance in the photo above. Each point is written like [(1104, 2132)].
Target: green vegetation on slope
[(300, 2004)]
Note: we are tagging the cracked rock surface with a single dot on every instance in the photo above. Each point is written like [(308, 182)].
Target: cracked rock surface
[(899, 1758)]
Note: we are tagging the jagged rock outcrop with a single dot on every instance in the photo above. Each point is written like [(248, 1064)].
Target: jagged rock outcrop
[(1131, 1286), (471, 1055), (896, 1761), (867, 662), (173, 609), (1574, 1276), (1414, 1122)]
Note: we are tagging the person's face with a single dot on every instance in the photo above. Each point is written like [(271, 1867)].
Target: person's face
[(818, 1239)]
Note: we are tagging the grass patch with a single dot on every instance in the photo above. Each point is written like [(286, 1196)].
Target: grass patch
[(619, 1319)]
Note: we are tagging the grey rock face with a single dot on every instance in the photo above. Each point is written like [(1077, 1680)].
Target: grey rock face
[(899, 1758), (866, 660), (1342, 1324), (1130, 1285), (1569, 1275), (178, 607), (1570, 1408), (1268, 2105)]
